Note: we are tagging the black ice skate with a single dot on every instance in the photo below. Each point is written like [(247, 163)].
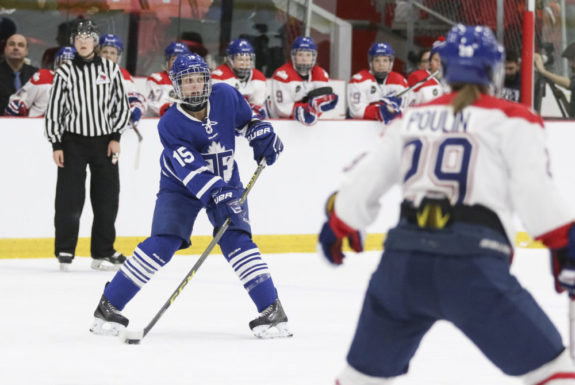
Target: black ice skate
[(272, 322), (107, 319), (111, 263), (65, 260)]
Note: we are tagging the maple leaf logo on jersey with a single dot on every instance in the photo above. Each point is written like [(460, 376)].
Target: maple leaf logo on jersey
[(102, 78), (220, 160), (208, 125)]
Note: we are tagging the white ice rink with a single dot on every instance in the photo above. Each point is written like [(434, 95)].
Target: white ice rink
[(204, 339)]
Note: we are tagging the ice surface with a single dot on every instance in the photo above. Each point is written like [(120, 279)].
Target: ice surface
[(204, 337)]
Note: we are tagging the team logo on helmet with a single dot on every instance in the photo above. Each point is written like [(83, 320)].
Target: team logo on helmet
[(190, 76), (303, 54), (110, 40), (241, 57), (471, 54)]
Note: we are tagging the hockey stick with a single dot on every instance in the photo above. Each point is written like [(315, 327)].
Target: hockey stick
[(571, 327), (134, 337), (400, 94), (138, 149)]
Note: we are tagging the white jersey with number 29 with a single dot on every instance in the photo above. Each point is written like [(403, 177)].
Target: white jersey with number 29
[(492, 153)]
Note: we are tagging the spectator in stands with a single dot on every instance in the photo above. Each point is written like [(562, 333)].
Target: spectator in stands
[(371, 94), (512, 86), (159, 85), (568, 83), (111, 48), (419, 61), (430, 87), (14, 73), (239, 72), (32, 99), (300, 88), (62, 38)]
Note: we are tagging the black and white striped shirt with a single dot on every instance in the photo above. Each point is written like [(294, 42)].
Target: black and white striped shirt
[(88, 99)]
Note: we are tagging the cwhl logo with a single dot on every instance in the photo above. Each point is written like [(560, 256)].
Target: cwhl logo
[(102, 78), (208, 125)]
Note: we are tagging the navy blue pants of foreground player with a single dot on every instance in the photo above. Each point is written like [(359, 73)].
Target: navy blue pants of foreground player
[(425, 276)]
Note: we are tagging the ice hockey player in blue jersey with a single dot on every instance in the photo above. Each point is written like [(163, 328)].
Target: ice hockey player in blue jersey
[(198, 171), (464, 173)]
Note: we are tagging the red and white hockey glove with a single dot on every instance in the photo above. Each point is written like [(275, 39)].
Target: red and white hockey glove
[(332, 234), (324, 103), (561, 244), (16, 108), (306, 114)]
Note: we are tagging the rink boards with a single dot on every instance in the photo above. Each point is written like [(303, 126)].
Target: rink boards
[(286, 205)]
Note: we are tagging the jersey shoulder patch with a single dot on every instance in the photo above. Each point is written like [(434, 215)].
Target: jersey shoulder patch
[(160, 78), (362, 76), (318, 74), (42, 76), (223, 72), (286, 74)]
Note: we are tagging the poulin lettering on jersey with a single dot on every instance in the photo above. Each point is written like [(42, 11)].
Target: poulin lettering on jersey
[(434, 120)]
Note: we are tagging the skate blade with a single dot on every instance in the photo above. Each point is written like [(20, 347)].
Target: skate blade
[(101, 265), (280, 330), (65, 267), (104, 328)]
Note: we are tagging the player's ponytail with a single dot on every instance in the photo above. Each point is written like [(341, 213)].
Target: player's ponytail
[(466, 94)]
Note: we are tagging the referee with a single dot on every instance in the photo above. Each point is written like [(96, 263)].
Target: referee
[(87, 112)]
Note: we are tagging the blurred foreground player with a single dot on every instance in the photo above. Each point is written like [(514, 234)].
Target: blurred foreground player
[(198, 171), (463, 174)]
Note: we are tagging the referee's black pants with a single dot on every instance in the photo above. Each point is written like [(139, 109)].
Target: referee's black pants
[(80, 151)]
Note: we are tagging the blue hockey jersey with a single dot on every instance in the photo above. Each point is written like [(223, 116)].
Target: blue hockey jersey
[(199, 155)]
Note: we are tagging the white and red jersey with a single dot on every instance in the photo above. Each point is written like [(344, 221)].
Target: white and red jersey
[(135, 98), (252, 88), (288, 88), (492, 153), (426, 92), (364, 93), (159, 88), (35, 93)]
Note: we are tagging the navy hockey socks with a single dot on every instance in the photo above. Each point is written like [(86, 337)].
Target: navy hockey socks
[(149, 256), (244, 257)]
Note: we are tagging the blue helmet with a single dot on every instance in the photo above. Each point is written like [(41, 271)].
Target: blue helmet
[(110, 40), (472, 55), (303, 43), (174, 49), (242, 48), (380, 49), (64, 54), (183, 76)]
